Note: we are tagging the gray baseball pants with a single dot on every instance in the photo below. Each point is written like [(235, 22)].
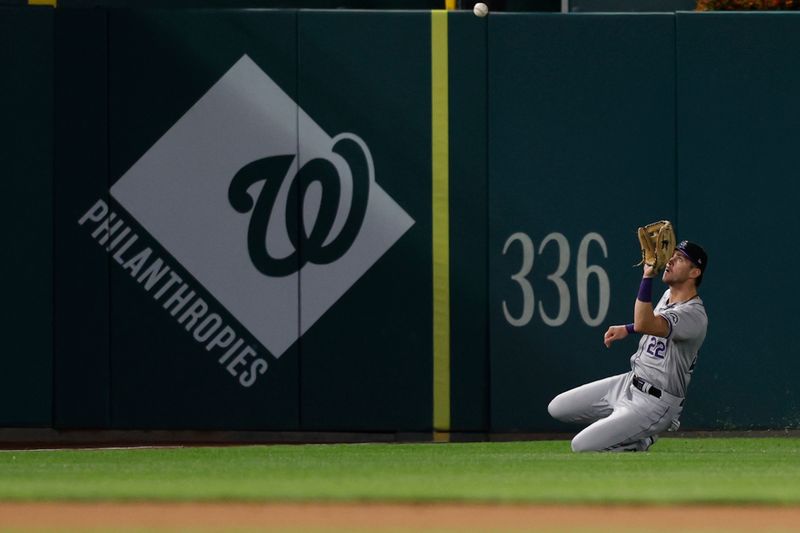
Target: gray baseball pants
[(620, 416)]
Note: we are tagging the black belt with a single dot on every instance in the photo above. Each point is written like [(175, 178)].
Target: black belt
[(639, 383)]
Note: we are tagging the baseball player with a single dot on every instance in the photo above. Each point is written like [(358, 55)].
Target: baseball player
[(627, 412)]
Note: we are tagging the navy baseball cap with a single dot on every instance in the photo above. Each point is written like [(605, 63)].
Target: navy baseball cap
[(695, 254)]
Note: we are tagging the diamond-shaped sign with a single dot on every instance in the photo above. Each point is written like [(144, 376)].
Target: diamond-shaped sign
[(178, 191)]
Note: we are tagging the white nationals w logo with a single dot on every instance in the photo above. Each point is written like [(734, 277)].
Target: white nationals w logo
[(258, 203)]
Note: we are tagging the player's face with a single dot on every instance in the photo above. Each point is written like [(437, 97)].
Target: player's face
[(679, 269)]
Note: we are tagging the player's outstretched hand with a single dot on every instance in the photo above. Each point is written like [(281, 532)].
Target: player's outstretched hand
[(648, 271), (614, 333)]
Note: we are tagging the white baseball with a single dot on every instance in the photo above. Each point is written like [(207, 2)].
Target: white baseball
[(480, 9)]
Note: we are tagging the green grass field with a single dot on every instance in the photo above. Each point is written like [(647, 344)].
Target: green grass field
[(711, 470)]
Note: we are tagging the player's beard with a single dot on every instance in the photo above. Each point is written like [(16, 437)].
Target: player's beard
[(669, 277), (673, 277)]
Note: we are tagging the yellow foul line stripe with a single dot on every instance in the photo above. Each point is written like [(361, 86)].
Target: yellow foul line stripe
[(441, 230), (42, 3)]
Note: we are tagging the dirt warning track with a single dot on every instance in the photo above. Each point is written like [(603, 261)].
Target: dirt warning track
[(394, 517)]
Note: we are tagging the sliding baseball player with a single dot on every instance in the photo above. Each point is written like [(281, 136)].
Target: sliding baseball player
[(627, 412)]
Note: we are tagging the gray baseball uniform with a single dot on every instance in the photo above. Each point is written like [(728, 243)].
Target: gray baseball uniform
[(628, 411)]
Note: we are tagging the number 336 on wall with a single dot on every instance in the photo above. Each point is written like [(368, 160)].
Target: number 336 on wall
[(583, 273)]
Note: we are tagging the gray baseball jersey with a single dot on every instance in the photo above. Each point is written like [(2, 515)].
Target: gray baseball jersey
[(668, 362)]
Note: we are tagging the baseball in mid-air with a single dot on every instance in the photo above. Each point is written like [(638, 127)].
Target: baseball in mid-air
[(480, 9)]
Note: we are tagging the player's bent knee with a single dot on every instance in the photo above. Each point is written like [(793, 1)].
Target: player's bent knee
[(556, 408), (580, 445)]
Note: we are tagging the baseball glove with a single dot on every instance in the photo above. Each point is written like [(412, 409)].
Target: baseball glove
[(657, 241)]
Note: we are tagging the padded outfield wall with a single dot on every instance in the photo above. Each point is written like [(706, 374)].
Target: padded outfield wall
[(383, 221)]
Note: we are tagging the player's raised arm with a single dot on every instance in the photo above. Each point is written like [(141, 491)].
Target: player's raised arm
[(644, 320), (657, 241)]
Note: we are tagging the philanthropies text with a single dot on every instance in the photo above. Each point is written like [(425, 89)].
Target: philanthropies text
[(174, 294)]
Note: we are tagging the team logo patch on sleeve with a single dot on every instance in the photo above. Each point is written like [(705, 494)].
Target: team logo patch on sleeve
[(672, 317)]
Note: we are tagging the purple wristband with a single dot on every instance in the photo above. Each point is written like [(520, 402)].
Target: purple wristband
[(646, 291), (629, 328)]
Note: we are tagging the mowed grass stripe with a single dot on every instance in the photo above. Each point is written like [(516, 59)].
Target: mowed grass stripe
[(728, 471)]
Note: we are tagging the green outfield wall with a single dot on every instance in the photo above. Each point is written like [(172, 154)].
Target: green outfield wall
[(26, 189), (736, 124), (581, 130), (383, 221)]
